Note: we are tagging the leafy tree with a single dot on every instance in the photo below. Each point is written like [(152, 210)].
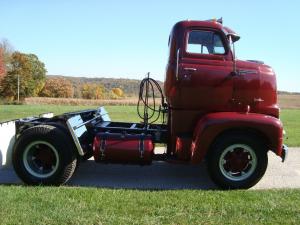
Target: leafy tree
[(5, 56), (7, 51), (6, 90), (2, 66), (130, 87), (118, 92), (57, 88), (92, 91), (32, 74)]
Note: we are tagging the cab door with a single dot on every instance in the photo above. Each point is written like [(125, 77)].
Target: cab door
[(204, 72)]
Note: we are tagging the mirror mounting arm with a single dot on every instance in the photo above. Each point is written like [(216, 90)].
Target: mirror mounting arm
[(234, 70), (177, 64)]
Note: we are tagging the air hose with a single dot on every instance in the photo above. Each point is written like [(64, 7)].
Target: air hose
[(149, 111)]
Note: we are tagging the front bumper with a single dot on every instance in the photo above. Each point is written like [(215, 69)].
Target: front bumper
[(284, 153)]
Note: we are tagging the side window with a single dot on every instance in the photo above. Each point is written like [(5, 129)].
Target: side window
[(205, 42)]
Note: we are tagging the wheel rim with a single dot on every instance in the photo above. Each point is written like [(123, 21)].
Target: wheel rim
[(238, 162), (41, 159)]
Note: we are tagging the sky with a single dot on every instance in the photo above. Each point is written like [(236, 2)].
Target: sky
[(127, 39)]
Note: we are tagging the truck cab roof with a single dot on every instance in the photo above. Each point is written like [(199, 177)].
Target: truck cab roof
[(214, 24)]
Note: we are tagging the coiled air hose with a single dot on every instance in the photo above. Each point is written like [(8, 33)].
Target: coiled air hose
[(150, 112)]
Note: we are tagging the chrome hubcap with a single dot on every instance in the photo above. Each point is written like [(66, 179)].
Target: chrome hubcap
[(238, 162)]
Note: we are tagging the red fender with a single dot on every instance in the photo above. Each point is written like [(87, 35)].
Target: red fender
[(214, 124)]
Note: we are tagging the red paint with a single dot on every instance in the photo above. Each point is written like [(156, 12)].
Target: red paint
[(123, 150), (237, 160), (214, 124), (183, 143), (46, 156), (209, 92)]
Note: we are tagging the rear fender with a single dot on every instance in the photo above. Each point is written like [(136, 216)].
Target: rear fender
[(7, 141), (212, 125)]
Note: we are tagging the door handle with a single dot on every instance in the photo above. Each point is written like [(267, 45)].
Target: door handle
[(190, 69), (258, 100)]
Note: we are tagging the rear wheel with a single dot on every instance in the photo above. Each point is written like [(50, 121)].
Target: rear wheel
[(44, 155), (237, 161)]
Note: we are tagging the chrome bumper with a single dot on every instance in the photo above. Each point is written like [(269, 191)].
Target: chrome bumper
[(284, 153)]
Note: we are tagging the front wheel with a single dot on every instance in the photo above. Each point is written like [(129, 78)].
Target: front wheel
[(237, 161)]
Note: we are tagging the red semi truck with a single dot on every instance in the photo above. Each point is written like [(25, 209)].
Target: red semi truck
[(218, 109)]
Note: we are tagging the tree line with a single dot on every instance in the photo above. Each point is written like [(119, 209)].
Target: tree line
[(24, 75)]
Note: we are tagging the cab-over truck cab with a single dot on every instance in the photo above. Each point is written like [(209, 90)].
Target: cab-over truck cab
[(220, 108)]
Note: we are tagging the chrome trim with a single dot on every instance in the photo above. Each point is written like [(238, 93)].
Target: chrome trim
[(102, 148), (258, 100), (71, 123), (86, 122), (141, 147), (190, 69), (47, 115), (247, 72), (102, 111), (77, 127), (256, 61), (177, 64)]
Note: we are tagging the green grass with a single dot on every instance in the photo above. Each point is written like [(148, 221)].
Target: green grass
[(8, 112), (290, 117), (291, 122), (67, 205)]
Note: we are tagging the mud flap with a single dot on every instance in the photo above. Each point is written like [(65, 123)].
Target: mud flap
[(77, 129), (7, 140)]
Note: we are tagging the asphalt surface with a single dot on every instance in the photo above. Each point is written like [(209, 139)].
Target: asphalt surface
[(163, 175)]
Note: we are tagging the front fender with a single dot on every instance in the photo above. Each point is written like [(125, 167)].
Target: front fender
[(212, 125)]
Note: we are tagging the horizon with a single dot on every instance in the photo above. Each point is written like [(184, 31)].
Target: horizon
[(137, 79), (128, 39)]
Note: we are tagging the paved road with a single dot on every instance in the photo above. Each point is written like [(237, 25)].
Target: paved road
[(162, 175)]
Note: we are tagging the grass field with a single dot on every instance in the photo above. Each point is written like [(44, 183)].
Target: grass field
[(67, 205), (291, 123), (79, 102), (289, 101), (286, 101), (7, 112), (290, 117)]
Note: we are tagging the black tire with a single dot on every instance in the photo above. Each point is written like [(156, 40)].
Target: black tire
[(45, 155), (237, 161)]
